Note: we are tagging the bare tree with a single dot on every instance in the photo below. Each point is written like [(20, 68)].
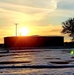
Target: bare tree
[(68, 28)]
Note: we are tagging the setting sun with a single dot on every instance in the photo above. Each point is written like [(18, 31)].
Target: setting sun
[(24, 31)]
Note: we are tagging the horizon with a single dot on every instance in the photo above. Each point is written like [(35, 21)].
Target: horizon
[(34, 36), (43, 17)]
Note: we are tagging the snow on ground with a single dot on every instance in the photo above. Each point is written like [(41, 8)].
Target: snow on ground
[(37, 57)]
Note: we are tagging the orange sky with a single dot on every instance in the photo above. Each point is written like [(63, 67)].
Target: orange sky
[(37, 30), (41, 17)]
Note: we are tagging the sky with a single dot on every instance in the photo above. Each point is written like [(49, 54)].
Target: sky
[(41, 17)]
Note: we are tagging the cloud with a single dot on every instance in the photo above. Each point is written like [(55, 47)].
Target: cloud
[(53, 30), (44, 15), (31, 10), (47, 30), (34, 3)]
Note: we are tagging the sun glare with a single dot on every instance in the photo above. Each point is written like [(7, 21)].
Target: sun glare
[(24, 31)]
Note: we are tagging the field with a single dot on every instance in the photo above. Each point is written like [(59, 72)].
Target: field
[(15, 62)]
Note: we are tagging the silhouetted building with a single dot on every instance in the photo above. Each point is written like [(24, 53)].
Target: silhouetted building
[(69, 44), (1, 45), (33, 41)]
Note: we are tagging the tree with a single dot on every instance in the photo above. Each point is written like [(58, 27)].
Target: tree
[(68, 27)]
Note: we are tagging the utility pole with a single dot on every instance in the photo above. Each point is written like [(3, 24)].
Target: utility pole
[(16, 28)]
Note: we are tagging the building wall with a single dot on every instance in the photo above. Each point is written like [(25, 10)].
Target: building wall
[(33, 41)]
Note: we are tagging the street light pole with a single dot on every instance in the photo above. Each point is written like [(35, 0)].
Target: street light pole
[(16, 28)]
